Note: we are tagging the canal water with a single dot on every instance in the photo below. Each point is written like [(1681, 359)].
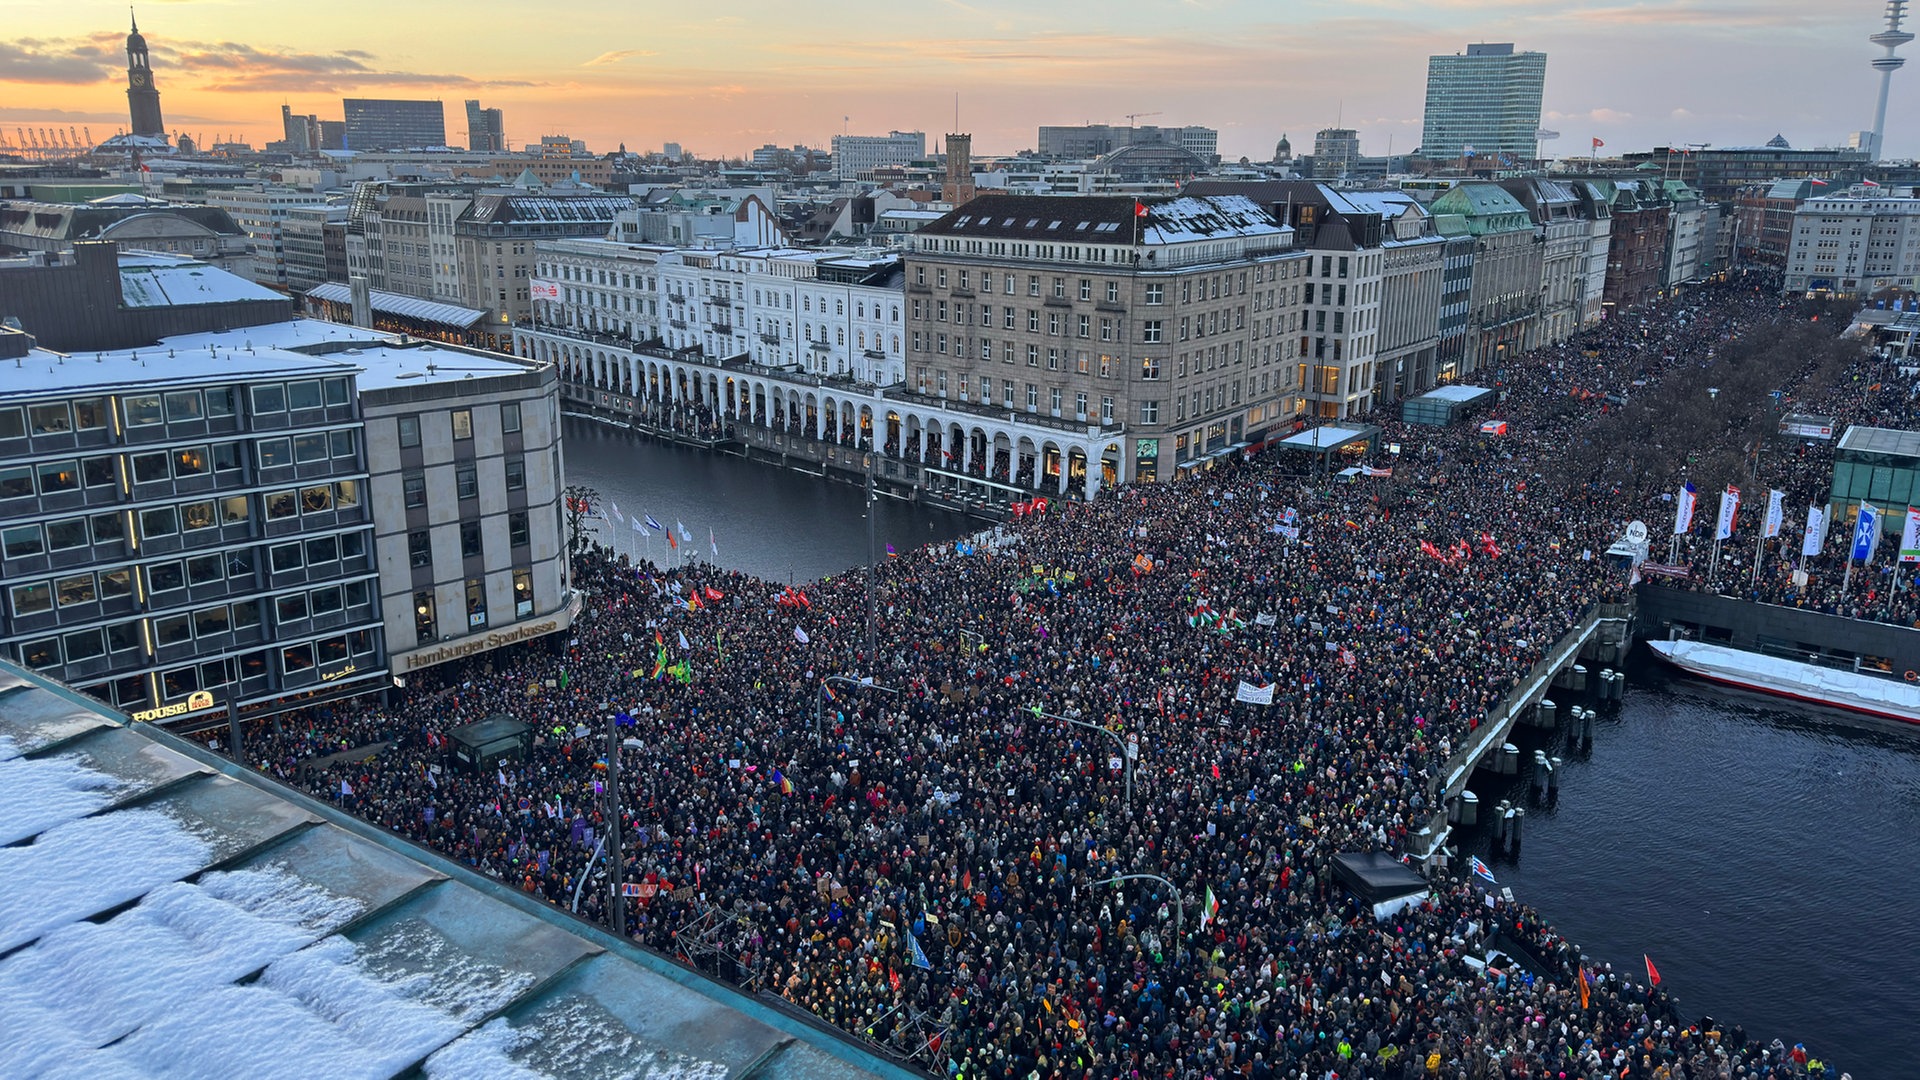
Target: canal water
[(1766, 856), (777, 523)]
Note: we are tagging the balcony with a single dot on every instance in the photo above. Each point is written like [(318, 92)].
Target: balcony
[(770, 338)]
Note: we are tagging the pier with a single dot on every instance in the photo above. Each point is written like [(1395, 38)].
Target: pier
[(1603, 634)]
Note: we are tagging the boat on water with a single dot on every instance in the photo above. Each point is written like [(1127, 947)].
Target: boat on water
[(1873, 695)]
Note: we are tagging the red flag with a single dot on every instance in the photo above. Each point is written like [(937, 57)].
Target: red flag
[(1216, 770), (966, 880), (1653, 973), (713, 593), (1597, 144), (1139, 208), (673, 543)]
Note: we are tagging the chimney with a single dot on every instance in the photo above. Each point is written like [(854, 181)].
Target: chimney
[(14, 343), (362, 298)]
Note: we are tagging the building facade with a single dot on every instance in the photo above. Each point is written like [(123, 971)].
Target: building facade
[(855, 155), (1484, 103), (1855, 244), (486, 129), (390, 124), (1335, 152), (1095, 140), (186, 539), (1504, 306), (261, 212), (467, 495)]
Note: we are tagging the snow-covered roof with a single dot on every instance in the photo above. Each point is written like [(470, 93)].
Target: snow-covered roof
[(406, 307), (1327, 437), (151, 280), (1455, 392), (170, 914)]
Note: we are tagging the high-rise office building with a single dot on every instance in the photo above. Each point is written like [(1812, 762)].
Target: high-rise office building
[(856, 154), (1335, 152), (485, 129), (1484, 104), (387, 124)]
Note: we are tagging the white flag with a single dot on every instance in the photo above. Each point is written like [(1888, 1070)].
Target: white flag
[(639, 528), (686, 535), (1816, 535), (1776, 501), (800, 636), (346, 789), (683, 640), (1729, 512), (1910, 537), (1254, 695), (712, 543), (617, 515), (1683, 510)]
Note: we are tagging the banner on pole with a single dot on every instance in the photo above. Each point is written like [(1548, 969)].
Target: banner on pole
[(1910, 537), (1729, 512), (1866, 533), (1683, 510), (1816, 535), (1776, 506)]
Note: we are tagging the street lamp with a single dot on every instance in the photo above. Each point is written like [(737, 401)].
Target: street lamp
[(820, 699), (1179, 903), (1126, 757)]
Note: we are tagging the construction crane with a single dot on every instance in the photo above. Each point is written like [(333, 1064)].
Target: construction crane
[(1131, 117)]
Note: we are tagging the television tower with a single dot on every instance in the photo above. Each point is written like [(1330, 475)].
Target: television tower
[(1890, 39)]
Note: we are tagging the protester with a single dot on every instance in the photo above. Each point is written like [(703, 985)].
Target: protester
[(952, 813)]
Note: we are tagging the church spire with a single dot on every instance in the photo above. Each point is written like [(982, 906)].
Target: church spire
[(135, 19)]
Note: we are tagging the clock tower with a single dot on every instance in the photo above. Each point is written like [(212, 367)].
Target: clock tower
[(142, 98)]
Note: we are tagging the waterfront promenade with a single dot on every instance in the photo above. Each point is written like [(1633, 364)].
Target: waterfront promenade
[(960, 816)]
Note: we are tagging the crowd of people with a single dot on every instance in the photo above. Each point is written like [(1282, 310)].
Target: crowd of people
[(947, 863)]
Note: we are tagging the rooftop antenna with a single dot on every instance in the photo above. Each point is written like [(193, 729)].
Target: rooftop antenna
[(1890, 39)]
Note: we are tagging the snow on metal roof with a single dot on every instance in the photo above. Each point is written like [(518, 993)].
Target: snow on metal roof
[(177, 915), (152, 280), (406, 307)]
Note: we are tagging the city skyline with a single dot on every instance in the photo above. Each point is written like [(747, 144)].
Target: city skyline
[(1702, 72)]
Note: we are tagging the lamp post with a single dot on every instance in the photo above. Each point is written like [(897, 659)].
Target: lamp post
[(615, 859), (1126, 759), (820, 699), (873, 658), (1179, 903)]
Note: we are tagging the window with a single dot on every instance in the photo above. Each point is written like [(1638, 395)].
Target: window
[(463, 423), (409, 432), (322, 549), (67, 535), (415, 487), (286, 558), (191, 461), (13, 424), (425, 624), (310, 448), (57, 476), (1106, 410), (516, 474), (227, 457), (197, 515), (220, 402), (267, 399), (476, 603), (518, 532), (160, 522), (510, 417), (336, 391), (172, 630), (246, 614), (522, 593), (210, 622), (50, 419), (184, 405), (109, 528), (233, 510), (1150, 367), (469, 539), (150, 468), (341, 443), (325, 601), (1149, 412), (1086, 289), (317, 499), (466, 482), (1086, 326), (1156, 294), (143, 410), (41, 654), (16, 483), (85, 645), (282, 505), (275, 452), (287, 609), (205, 570), (1150, 332), (32, 599)]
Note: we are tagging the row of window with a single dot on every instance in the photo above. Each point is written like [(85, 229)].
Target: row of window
[(155, 522), (53, 417), (206, 627), (250, 670), (420, 541), (466, 482), (426, 607), (342, 553), (462, 420), (182, 463)]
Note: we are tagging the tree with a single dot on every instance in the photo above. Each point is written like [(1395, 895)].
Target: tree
[(581, 502)]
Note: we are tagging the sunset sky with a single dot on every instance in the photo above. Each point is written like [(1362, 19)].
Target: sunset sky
[(723, 79)]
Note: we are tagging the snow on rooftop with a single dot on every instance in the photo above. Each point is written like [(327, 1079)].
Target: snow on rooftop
[(1206, 217), (150, 281), (317, 949)]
